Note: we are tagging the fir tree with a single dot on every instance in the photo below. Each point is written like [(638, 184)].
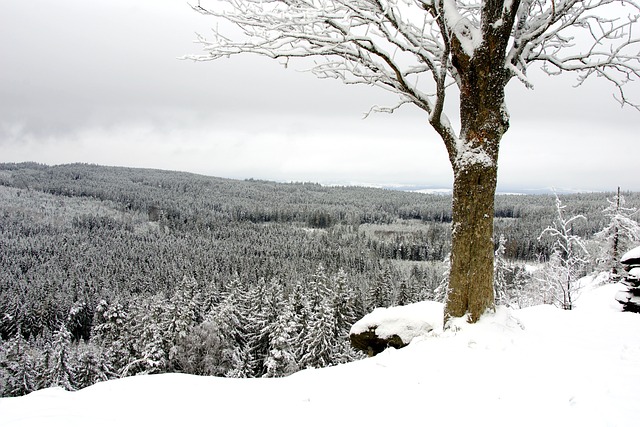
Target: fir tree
[(501, 270), (343, 303), (91, 366), (112, 331), (62, 364), (17, 367), (380, 292), (281, 359), (231, 354), (319, 344), (618, 235), (154, 337)]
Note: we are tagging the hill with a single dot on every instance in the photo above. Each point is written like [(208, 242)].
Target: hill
[(119, 272)]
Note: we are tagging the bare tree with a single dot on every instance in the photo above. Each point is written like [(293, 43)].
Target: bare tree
[(426, 51), (568, 260)]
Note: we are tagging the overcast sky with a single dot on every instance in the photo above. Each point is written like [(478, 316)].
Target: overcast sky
[(100, 82)]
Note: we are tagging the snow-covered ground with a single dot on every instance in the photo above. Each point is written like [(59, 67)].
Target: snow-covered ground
[(539, 366)]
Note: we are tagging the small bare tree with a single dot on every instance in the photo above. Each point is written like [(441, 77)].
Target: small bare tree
[(426, 50), (568, 259)]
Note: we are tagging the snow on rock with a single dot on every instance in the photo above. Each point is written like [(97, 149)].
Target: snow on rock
[(532, 367), (407, 322), (394, 327), (631, 257)]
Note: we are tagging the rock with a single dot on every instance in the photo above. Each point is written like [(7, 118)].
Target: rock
[(395, 326), (631, 258), (372, 344)]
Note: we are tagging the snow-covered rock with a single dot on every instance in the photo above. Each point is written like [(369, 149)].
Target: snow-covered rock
[(632, 257), (630, 297), (395, 326)]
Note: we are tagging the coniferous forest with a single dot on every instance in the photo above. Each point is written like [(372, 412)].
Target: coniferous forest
[(107, 272)]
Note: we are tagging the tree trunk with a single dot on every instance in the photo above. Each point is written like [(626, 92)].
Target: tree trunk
[(472, 251), (475, 168)]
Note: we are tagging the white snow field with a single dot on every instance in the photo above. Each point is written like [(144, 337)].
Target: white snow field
[(539, 366)]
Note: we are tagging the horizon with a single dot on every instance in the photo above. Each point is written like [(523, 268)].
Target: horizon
[(416, 187)]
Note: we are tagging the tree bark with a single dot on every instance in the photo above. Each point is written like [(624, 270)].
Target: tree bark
[(471, 276), (475, 167)]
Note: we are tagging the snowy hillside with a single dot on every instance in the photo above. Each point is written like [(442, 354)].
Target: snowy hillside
[(531, 367)]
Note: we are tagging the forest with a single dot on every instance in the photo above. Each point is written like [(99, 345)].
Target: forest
[(107, 272)]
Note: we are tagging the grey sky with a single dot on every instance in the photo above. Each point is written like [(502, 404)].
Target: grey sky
[(100, 82)]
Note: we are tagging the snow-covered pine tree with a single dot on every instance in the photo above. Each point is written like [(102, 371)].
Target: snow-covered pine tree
[(630, 298), (265, 306), (344, 304), (318, 287), (17, 367), (231, 356), (281, 359), (319, 342), (440, 293), (183, 312), (501, 269), (112, 332), (380, 290), (403, 296), (618, 235), (79, 320), (91, 366), (154, 336), (61, 366)]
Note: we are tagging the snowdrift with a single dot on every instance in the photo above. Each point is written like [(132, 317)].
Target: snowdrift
[(531, 367)]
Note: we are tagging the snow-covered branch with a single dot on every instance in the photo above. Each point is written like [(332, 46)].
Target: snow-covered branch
[(418, 49), (589, 38), (393, 44)]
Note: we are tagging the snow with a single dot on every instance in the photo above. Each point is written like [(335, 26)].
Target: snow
[(634, 273), (530, 367), (469, 156), (407, 322), (469, 36), (632, 254)]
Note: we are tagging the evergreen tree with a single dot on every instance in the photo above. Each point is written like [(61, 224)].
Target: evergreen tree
[(185, 308), (620, 232), (112, 332), (79, 321), (17, 367), (501, 271), (281, 359), (380, 291), (231, 355), (440, 293), (343, 303), (62, 364), (91, 366), (265, 306), (319, 344), (403, 297), (198, 353), (155, 336)]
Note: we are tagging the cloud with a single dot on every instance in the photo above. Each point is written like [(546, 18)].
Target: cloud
[(100, 82)]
